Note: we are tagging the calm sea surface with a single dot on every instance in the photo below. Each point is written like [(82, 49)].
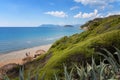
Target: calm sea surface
[(17, 38)]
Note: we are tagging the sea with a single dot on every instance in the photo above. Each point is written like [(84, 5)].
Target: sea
[(18, 38)]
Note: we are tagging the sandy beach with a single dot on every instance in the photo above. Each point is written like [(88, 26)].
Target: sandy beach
[(17, 56)]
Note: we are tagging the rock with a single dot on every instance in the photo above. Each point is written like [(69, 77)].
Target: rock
[(8, 69)]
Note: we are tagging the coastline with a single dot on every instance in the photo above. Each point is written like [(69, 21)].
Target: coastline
[(17, 56)]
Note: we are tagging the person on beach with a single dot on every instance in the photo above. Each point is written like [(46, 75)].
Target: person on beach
[(28, 54)]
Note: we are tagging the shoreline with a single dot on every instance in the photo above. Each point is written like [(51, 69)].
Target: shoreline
[(17, 56), (2, 53)]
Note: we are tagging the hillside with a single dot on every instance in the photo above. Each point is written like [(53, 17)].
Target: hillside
[(78, 48)]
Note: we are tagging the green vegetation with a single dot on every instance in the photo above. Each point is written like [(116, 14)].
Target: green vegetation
[(103, 71), (78, 48)]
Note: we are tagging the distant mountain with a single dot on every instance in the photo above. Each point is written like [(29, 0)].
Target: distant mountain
[(49, 25), (73, 25), (55, 25), (68, 26)]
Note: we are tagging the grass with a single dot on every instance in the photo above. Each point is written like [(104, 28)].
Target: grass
[(86, 48), (103, 71)]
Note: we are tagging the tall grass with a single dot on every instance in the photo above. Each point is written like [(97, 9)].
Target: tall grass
[(104, 71)]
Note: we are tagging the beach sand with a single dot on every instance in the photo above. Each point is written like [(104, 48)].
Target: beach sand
[(17, 56)]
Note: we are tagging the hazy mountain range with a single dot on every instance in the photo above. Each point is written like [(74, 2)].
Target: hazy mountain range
[(54, 25)]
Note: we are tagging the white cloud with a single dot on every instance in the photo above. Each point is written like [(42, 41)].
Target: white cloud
[(60, 14), (79, 15), (94, 2), (101, 3), (87, 15), (112, 13), (74, 7)]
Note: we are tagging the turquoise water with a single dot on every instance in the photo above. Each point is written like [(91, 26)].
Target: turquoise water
[(17, 38)]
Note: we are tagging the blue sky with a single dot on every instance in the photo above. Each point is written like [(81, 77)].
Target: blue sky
[(37, 12)]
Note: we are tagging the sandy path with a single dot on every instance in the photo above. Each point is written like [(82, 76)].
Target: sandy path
[(17, 56)]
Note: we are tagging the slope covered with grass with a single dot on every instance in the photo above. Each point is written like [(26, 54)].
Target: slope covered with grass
[(102, 32), (78, 48)]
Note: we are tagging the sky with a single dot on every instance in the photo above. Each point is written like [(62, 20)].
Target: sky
[(31, 13)]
